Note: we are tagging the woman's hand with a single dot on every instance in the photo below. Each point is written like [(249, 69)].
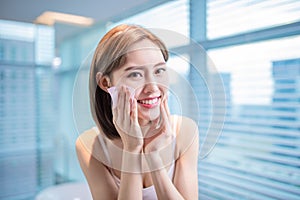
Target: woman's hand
[(164, 135), (125, 119), (159, 148)]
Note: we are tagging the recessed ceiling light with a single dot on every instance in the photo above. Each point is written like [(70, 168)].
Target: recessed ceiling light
[(50, 18)]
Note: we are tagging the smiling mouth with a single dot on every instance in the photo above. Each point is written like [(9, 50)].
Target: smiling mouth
[(149, 102)]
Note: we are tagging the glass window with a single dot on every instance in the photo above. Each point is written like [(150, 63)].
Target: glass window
[(230, 17), (26, 109), (257, 155), (251, 66), (172, 16)]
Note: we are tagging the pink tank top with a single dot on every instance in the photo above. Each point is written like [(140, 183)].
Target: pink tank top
[(149, 193)]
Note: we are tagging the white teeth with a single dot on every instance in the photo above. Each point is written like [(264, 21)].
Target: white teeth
[(149, 102)]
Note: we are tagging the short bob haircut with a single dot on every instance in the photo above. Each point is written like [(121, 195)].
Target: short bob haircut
[(109, 55)]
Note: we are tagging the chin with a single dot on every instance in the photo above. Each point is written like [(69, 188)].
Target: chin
[(150, 114)]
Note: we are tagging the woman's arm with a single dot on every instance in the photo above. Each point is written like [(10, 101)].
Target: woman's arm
[(186, 173), (99, 177), (131, 184), (100, 181), (159, 151), (164, 187), (185, 184), (125, 118)]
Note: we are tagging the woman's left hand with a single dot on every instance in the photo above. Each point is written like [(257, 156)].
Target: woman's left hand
[(164, 135)]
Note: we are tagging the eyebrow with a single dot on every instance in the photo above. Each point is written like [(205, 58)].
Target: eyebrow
[(140, 67)]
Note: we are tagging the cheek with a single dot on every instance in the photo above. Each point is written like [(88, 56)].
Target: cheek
[(132, 84), (164, 90), (137, 93), (163, 83), (163, 80)]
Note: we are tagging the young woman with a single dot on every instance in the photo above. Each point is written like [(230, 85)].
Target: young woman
[(137, 150)]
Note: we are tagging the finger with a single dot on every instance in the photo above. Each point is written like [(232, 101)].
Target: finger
[(127, 103), (166, 106), (165, 117), (115, 107), (121, 103), (134, 112), (115, 114), (132, 109), (118, 108)]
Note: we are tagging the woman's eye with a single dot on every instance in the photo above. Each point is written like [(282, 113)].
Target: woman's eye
[(160, 71), (135, 75)]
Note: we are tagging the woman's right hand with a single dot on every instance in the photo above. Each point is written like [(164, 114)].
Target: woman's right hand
[(125, 119)]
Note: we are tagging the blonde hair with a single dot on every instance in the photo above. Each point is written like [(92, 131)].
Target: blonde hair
[(109, 55)]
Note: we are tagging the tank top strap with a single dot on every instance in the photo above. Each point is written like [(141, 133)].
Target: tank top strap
[(102, 143), (106, 154)]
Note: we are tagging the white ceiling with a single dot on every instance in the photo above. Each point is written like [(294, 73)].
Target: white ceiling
[(99, 10)]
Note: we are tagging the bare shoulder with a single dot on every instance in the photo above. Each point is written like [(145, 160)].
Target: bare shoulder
[(187, 133), (87, 141), (185, 126), (86, 138), (87, 148), (89, 155), (88, 145), (187, 145)]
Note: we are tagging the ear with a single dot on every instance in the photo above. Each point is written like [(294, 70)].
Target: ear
[(103, 81)]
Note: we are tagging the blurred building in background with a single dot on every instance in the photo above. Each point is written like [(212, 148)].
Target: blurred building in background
[(27, 109)]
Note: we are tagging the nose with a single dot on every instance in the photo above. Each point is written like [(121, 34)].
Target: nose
[(150, 85)]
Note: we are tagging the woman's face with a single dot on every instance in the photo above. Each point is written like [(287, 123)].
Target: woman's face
[(145, 71)]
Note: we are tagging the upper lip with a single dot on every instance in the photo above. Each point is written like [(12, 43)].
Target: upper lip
[(149, 98)]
